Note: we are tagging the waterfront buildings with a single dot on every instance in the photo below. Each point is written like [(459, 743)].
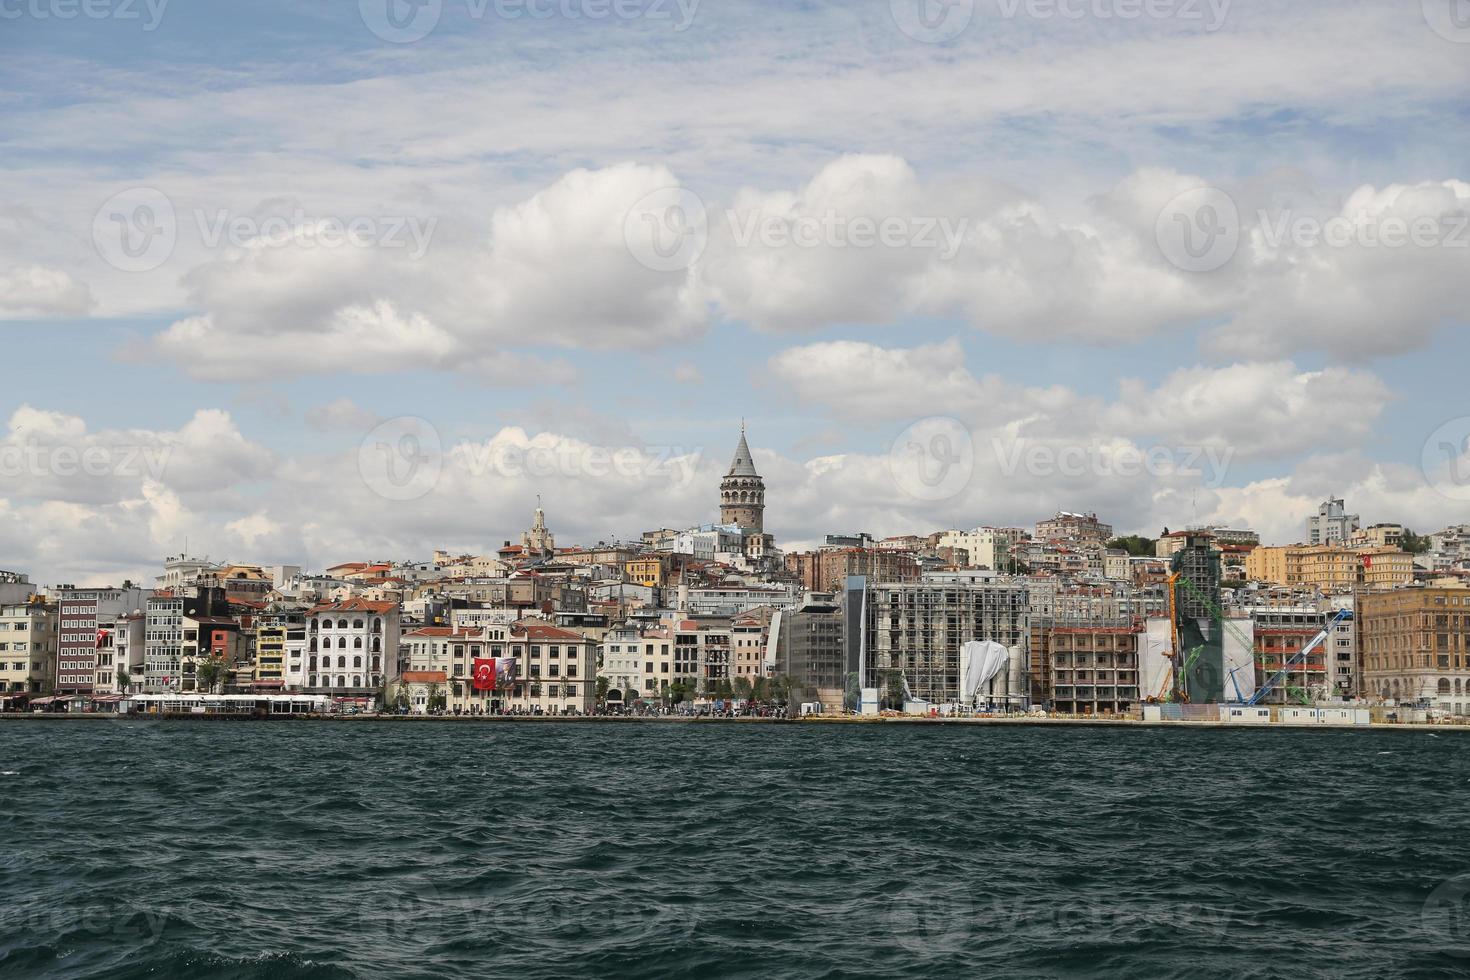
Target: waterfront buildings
[(80, 613), (352, 646), (28, 650), (1415, 645)]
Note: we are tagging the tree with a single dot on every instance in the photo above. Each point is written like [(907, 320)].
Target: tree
[(212, 673), (402, 700), (1135, 544), (1415, 544), (760, 689), (436, 698), (852, 692), (124, 679), (741, 688), (602, 688), (895, 690)]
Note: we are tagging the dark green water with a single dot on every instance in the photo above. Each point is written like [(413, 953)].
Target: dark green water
[(549, 850)]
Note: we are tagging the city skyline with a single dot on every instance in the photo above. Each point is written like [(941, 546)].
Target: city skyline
[(229, 363)]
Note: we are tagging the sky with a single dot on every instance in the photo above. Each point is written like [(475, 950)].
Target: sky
[(310, 282)]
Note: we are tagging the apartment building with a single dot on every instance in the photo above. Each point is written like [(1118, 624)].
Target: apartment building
[(1332, 523), (352, 646), (80, 613), (1078, 528), (1094, 669), (280, 647), (1332, 568), (1415, 646), (749, 638), (120, 654), (28, 644)]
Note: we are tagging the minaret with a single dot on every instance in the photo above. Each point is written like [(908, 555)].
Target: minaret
[(742, 491)]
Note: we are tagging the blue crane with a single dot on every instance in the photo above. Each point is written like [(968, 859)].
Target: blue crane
[(1342, 616)]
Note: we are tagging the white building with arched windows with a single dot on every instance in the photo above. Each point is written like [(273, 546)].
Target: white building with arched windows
[(351, 647)]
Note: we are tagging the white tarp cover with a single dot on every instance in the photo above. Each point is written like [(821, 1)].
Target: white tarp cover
[(980, 662)]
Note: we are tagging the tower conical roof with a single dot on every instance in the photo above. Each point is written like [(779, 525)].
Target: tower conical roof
[(743, 464)]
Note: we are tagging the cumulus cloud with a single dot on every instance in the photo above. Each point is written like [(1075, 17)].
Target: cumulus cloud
[(34, 290)]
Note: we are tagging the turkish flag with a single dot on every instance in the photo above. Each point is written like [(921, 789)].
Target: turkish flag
[(485, 674), (1367, 561), (101, 636)]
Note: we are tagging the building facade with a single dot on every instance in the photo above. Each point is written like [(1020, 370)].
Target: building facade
[(1415, 647)]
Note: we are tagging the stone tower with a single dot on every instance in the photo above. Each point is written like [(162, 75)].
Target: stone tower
[(538, 540), (743, 492)]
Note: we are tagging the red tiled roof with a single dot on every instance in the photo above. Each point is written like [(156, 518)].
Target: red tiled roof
[(356, 605), (466, 632), (534, 629)]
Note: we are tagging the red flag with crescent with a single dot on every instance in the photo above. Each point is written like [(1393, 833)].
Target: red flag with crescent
[(485, 674)]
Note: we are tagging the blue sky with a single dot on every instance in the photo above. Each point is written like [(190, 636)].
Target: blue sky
[(528, 149)]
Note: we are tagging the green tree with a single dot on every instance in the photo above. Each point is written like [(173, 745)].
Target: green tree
[(1135, 544), (212, 674), (760, 689), (124, 679), (1415, 544), (852, 692), (436, 698), (402, 700), (741, 688), (895, 690), (603, 685)]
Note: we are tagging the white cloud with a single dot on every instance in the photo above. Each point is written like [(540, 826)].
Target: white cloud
[(33, 290)]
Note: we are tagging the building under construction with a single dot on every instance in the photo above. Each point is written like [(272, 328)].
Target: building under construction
[(918, 629), (1199, 653)]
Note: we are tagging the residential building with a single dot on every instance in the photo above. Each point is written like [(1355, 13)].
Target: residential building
[(749, 638), (1078, 528), (121, 645), (828, 569), (80, 612), (984, 547), (1332, 567), (1332, 523), (28, 645), (280, 647), (352, 647), (1094, 669), (1415, 646)]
